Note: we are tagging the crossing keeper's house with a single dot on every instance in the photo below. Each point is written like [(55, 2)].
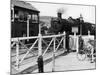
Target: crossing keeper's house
[(24, 19)]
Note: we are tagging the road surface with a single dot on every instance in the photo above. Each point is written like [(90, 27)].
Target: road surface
[(63, 62), (68, 63)]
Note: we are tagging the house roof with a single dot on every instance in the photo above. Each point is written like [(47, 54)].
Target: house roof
[(23, 4)]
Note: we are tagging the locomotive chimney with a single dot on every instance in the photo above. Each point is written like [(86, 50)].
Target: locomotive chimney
[(59, 15), (60, 11)]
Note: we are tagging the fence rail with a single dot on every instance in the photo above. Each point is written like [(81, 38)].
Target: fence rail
[(40, 41)]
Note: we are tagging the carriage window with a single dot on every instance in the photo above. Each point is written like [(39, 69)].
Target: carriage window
[(34, 18)]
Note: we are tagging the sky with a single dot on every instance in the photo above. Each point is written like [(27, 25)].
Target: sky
[(49, 9)]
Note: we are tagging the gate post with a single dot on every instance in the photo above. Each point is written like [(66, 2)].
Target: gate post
[(17, 54), (92, 55), (53, 58), (40, 57), (64, 41), (40, 45)]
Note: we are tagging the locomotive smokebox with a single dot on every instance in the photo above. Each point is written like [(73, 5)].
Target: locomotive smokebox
[(59, 15)]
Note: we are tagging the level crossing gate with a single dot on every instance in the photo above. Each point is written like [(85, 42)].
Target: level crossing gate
[(54, 40)]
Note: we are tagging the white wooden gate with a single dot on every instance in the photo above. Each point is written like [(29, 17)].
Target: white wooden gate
[(17, 42)]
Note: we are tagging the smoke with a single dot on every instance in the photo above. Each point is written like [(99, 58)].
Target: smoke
[(61, 10)]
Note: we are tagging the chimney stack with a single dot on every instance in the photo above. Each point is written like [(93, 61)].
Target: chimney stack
[(59, 15)]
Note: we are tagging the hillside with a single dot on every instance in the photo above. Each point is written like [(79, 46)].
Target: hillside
[(46, 20)]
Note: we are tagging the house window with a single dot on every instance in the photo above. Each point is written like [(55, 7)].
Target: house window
[(25, 16), (12, 15), (16, 15), (29, 16), (23, 33), (21, 15), (34, 18), (31, 33)]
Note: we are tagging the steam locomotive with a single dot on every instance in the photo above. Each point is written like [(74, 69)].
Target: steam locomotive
[(59, 25)]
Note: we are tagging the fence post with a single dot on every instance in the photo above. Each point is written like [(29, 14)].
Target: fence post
[(64, 41), (17, 54), (92, 55), (40, 45), (53, 58), (28, 27), (40, 57)]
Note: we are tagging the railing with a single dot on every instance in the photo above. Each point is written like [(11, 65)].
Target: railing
[(40, 40)]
